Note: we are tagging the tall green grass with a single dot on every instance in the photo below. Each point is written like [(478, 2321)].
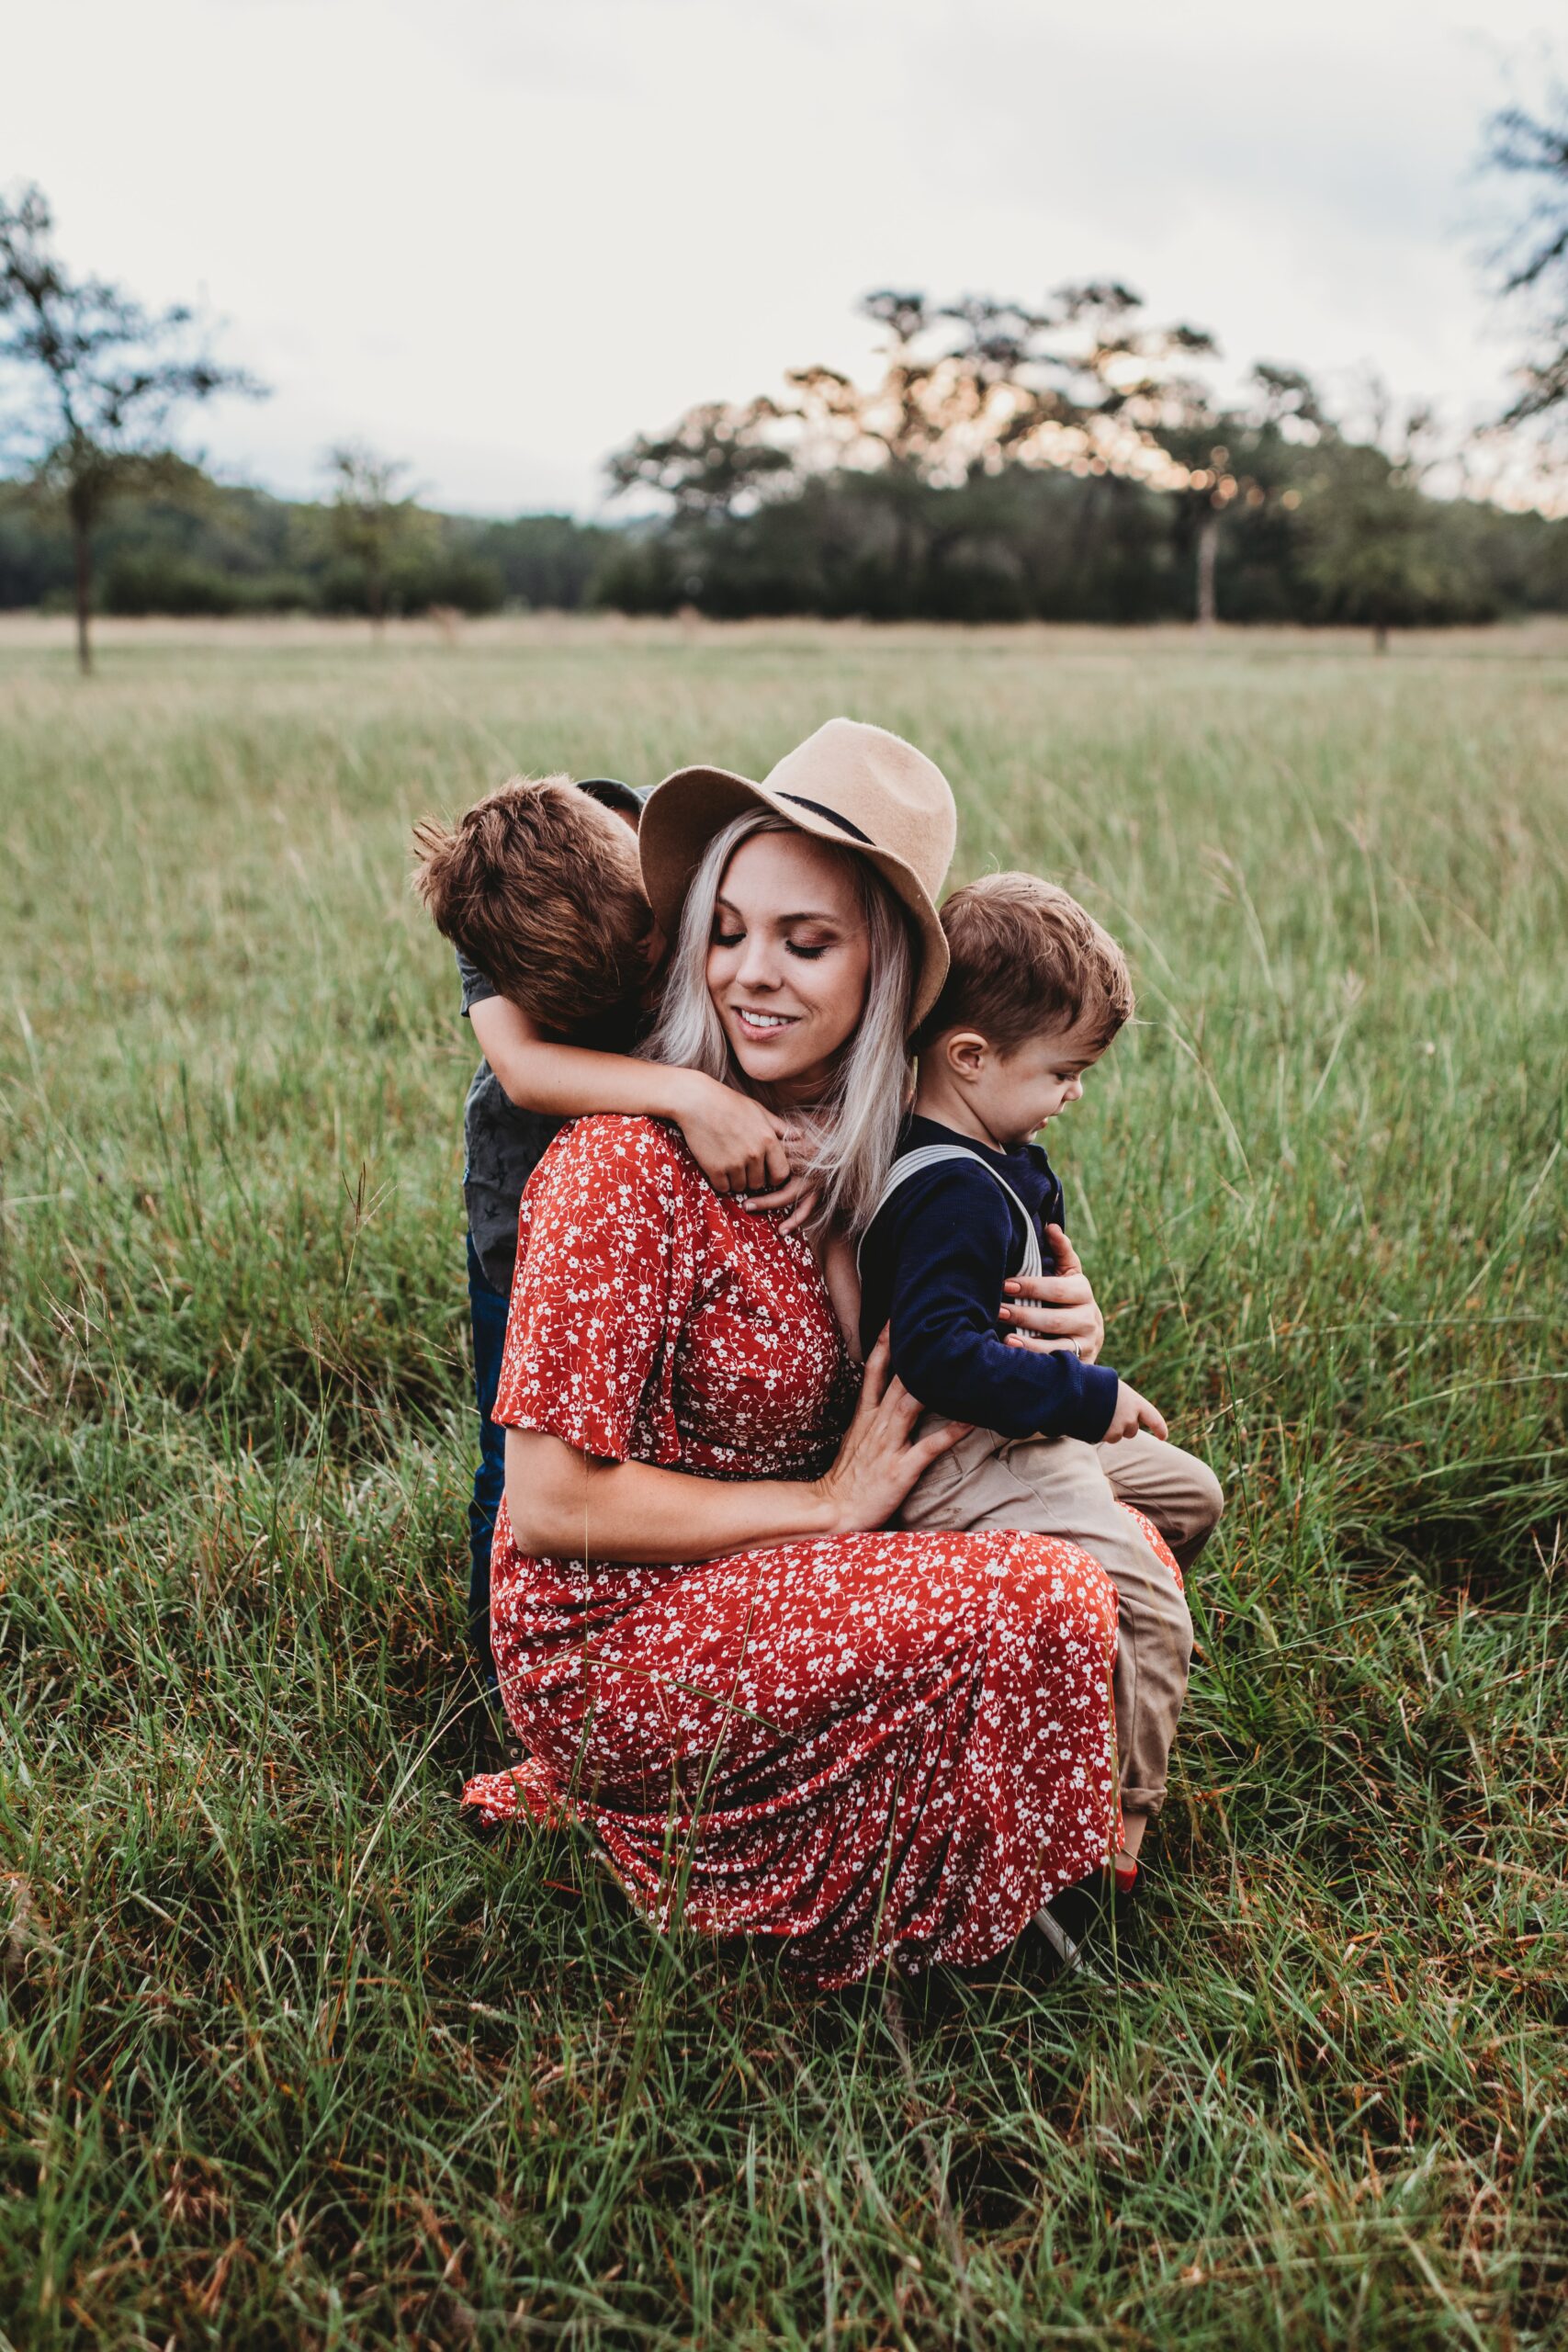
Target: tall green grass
[(287, 2054)]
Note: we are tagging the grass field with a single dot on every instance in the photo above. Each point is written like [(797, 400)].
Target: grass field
[(287, 2055)]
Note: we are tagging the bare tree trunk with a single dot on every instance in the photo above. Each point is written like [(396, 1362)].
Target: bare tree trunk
[(83, 597), (1208, 548)]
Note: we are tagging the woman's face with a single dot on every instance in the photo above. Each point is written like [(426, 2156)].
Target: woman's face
[(788, 961)]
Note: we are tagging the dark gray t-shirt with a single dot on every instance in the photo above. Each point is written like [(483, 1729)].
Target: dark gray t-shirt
[(505, 1145)]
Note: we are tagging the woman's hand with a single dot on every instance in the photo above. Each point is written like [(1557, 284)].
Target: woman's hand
[(879, 1460), (1048, 1312), (739, 1144), (565, 1505)]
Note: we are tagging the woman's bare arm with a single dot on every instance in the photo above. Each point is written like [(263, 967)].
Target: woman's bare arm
[(566, 1506)]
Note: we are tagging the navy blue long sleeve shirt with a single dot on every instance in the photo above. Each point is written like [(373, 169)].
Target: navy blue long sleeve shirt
[(932, 1266)]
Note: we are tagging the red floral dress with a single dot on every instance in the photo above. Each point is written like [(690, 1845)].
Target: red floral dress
[(892, 1746)]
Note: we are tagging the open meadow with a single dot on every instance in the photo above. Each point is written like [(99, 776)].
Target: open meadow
[(288, 2055)]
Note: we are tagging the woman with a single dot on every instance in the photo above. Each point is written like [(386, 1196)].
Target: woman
[(777, 1719)]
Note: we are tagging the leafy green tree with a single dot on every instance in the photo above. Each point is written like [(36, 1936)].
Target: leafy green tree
[(978, 384), (712, 464), (1532, 266), (100, 379), (1064, 460), (1378, 550), (369, 524), (1235, 461), (544, 560), (715, 466), (969, 388)]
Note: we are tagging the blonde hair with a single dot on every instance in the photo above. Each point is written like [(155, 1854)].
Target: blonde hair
[(852, 1132)]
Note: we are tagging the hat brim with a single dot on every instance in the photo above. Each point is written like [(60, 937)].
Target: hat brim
[(682, 815)]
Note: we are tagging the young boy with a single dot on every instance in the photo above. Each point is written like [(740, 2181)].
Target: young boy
[(538, 888), (1035, 993)]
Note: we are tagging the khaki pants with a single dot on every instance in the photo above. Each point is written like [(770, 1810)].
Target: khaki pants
[(1056, 1486)]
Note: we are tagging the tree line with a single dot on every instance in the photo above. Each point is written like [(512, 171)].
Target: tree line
[(208, 547), (1064, 462), (1045, 544), (1068, 459)]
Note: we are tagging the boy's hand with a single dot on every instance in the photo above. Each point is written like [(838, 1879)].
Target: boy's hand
[(738, 1145), (1047, 1312), (800, 1196), (1132, 1413)]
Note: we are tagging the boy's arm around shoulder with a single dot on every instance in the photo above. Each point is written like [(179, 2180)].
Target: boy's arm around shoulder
[(951, 1234), (739, 1146)]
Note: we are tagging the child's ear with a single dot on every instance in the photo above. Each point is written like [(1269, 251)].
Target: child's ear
[(965, 1051)]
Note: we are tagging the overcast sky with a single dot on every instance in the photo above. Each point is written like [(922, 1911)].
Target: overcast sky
[(496, 237)]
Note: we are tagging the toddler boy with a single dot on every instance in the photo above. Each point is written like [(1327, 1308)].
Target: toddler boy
[(537, 887), (1035, 993)]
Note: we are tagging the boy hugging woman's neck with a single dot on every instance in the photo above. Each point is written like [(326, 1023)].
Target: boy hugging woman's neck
[(538, 889)]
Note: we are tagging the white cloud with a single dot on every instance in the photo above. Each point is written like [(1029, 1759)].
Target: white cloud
[(497, 237)]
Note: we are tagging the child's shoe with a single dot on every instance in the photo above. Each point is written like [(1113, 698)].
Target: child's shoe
[(1092, 1927), (1069, 1919)]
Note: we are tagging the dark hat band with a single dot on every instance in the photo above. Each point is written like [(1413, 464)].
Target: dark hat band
[(832, 815)]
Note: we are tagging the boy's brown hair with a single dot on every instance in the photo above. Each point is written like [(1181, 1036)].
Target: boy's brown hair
[(1027, 958), (538, 884)]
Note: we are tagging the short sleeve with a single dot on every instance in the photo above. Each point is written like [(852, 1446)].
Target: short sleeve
[(602, 1288), (477, 985)]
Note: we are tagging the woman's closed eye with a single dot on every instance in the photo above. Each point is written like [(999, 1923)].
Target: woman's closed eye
[(807, 950)]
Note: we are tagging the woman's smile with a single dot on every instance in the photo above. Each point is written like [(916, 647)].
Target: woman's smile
[(762, 1025), (774, 1045)]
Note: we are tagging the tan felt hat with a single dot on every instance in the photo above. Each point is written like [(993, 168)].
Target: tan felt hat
[(855, 785)]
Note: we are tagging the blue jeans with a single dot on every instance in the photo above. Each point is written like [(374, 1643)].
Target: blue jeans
[(486, 1306)]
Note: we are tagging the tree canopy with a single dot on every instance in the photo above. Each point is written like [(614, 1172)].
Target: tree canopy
[(1533, 265), (367, 522), (94, 382), (1065, 459)]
